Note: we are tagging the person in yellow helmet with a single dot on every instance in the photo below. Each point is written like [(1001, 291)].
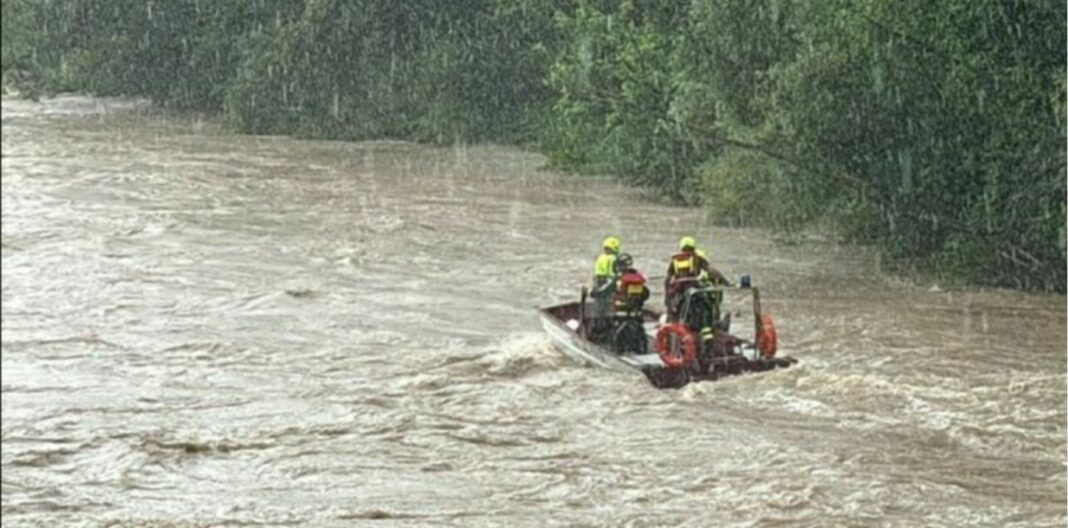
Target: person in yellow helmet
[(604, 286), (604, 268), (688, 268)]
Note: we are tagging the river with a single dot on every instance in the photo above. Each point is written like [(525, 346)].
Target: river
[(202, 328)]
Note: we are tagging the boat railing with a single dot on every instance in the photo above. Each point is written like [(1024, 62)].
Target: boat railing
[(722, 288)]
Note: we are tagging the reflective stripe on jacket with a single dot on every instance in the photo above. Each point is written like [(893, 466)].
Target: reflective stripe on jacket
[(685, 264)]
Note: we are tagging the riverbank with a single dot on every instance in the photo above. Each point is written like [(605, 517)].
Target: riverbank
[(935, 134)]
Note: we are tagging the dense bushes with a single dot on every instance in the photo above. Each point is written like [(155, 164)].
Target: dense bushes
[(422, 70), (618, 80), (934, 130), (948, 133)]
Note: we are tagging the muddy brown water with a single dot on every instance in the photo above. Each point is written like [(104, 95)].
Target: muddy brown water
[(201, 328)]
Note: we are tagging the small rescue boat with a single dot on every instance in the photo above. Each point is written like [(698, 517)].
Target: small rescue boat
[(673, 354)]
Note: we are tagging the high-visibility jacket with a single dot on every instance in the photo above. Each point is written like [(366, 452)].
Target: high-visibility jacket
[(684, 265), (604, 267), (687, 264), (604, 274)]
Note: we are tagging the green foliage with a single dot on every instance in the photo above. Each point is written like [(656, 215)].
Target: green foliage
[(618, 88), (419, 70), (17, 35), (737, 44), (178, 53), (745, 187), (934, 130), (19, 43), (944, 125)]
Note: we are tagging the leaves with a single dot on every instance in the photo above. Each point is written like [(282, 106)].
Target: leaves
[(935, 130)]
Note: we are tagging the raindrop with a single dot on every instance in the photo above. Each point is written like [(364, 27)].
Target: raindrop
[(514, 216), (905, 162)]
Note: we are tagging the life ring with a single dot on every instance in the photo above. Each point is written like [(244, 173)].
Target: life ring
[(766, 339), (689, 346)]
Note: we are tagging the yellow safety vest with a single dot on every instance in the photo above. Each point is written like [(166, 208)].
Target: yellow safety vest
[(605, 266), (684, 267)]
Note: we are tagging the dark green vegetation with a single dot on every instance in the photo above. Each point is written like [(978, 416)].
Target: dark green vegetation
[(935, 130)]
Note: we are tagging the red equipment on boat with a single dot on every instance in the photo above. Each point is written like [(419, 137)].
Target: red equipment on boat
[(689, 346), (766, 338)]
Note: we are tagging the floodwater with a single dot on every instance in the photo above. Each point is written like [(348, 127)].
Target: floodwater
[(207, 329)]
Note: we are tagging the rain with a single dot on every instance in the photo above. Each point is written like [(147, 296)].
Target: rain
[(333, 263)]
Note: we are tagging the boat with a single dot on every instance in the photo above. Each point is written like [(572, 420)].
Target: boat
[(671, 355)]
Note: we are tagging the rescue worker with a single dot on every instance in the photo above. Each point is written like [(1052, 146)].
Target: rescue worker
[(604, 283), (688, 268), (628, 333), (604, 269)]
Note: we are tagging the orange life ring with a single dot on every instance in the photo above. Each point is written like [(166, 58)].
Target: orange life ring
[(689, 346), (766, 339)]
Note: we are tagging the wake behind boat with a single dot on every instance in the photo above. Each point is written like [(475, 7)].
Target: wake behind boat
[(669, 354)]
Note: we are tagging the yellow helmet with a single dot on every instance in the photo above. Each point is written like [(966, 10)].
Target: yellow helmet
[(687, 242), (611, 243)]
